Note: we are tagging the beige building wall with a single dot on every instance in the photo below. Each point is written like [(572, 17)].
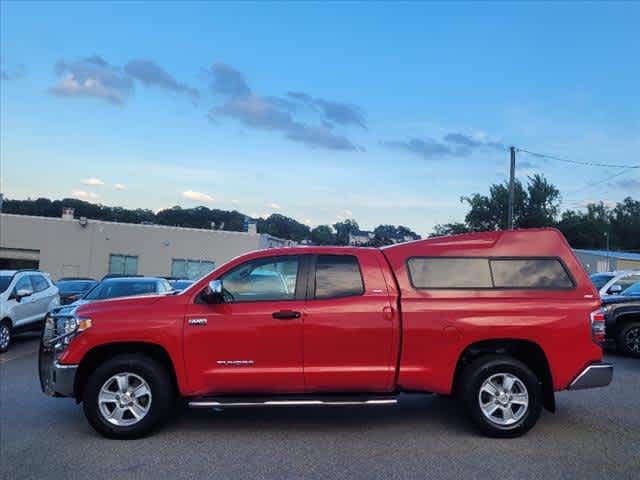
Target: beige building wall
[(69, 248)]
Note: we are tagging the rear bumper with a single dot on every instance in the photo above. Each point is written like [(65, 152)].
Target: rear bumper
[(595, 375)]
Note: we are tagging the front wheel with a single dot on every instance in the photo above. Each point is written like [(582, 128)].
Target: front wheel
[(502, 396), (5, 335), (128, 396)]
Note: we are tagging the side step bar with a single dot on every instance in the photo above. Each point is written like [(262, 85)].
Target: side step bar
[(221, 402)]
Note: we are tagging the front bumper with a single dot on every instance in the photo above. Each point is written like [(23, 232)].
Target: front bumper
[(595, 375), (56, 379)]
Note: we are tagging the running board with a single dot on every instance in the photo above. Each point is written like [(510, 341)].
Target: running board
[(221, 402)]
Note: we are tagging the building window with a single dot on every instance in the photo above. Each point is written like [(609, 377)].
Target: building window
[(191, 269), (123, 264)]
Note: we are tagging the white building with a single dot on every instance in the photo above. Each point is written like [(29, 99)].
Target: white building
[(71, 247)]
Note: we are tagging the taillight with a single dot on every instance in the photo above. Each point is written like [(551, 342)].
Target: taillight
[(598, 327)]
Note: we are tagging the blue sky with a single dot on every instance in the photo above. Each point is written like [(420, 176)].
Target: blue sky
[(384, 112)]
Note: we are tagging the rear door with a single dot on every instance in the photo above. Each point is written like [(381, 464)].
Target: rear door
[(43, 294), (349, 325)]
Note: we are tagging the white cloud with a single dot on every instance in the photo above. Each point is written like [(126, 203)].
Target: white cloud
[(92, 181), (273, 206), (235, 202), (344, 214), (119, 186), (84, 195), (307, 222), (197, 196)]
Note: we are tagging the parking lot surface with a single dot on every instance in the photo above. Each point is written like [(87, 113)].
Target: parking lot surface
[(594, 434)]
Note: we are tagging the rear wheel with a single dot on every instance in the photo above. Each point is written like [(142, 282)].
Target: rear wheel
[(128, 396), (5, 335), (628, 339), (502, 395)]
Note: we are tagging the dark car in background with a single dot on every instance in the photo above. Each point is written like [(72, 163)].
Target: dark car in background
[(115, 288), (72, 289), (622, 316)]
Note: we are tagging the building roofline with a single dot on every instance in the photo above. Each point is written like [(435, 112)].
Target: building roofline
[(142, 225)]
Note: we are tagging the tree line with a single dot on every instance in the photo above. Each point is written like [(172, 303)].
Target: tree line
[(276, 224), (536, 204)]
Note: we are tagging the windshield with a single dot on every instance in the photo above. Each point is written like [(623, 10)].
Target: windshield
[(115, 289), (5, 280), (600, 279), (73, 286), (632, 291)]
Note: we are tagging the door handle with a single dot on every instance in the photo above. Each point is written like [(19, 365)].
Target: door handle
[(285, 315)]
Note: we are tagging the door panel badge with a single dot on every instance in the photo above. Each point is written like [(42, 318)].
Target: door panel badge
[(197, 321)]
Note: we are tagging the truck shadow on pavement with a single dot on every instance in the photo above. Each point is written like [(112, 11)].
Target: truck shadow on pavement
[(429, 410)]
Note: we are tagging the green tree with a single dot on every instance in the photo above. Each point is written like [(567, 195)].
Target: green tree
[(284, 227), (323, 235), (343, 229), (456, 228)]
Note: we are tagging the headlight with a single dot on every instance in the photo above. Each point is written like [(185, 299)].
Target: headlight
[(68, 328)]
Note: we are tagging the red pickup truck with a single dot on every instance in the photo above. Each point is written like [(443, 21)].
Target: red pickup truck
[(500, 320)]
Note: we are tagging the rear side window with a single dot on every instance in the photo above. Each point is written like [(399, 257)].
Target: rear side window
[(488, 273), (530, 273), (450, 272), (338, 276)]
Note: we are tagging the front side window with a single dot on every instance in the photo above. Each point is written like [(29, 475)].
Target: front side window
[(262, 280), (337, 276), (24, 284), (39, 283), (629, 280), (123, 264)]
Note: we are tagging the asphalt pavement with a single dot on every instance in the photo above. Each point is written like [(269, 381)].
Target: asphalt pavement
[(595, 434)]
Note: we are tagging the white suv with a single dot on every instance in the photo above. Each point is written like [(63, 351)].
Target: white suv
[(25, 298)]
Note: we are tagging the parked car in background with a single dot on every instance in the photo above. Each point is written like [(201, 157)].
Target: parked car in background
[(179, 285), (116, 288), (71, 289), (25, 298), (622, 316), (613, 283), (500, 320)]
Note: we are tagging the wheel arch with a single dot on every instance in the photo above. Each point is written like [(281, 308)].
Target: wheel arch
[(527, 351), (625, 317), (97, 355)]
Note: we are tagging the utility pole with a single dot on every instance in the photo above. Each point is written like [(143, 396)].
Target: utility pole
[(512, 186)]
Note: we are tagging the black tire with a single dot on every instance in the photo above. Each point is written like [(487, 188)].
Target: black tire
[(628, 338), (160, 401), (5, 329), (483, 369)]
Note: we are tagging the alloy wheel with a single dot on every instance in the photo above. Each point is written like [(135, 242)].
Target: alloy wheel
[(503, 399), (124, 399), (5, 336), (632, 340)]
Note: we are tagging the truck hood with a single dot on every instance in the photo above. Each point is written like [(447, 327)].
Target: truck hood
[(97, 306)]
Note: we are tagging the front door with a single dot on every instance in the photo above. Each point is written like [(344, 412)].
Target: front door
[(252, 342)]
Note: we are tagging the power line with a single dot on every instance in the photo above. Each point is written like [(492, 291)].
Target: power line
[(575, 162), (605, 180)]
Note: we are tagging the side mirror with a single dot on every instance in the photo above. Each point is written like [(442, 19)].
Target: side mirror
[(22, 293), (213, 293), (615, 289)]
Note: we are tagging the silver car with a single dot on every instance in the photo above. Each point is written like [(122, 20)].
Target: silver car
[(613, 283), (25, 298)]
